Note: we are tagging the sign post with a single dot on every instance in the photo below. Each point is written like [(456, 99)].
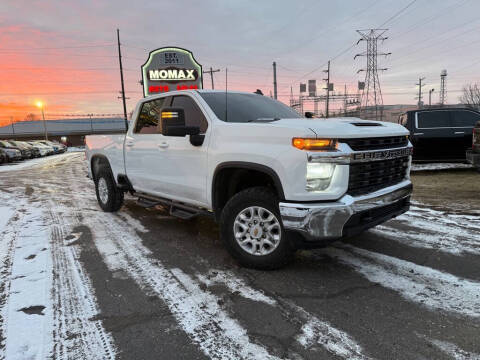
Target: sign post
[(171, 68)]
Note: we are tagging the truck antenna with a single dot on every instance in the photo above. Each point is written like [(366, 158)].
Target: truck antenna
[(226, 96)]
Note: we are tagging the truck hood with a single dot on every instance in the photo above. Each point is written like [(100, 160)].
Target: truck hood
[(343, 127)]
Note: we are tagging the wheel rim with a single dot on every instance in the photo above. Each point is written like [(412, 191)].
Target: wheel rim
[(103, 190), (257, 230)]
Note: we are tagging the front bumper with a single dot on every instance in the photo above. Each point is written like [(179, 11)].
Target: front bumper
[(473, 158), (348, 215)]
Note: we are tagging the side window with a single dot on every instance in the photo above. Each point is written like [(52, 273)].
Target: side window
[(464, 118), (149, 116), (193, 114), (434, 119)]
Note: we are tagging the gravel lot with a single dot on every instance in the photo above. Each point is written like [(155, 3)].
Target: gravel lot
[(77, 283)]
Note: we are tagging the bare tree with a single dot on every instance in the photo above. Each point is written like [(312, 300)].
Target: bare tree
[(471, 95), (30, 117)]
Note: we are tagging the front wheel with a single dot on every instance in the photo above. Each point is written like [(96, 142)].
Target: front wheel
[(110, 198), (253, 232)]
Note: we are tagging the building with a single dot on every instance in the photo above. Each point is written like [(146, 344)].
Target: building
[(70, 131)]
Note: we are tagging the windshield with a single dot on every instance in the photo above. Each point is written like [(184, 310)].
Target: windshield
[(247, 107)]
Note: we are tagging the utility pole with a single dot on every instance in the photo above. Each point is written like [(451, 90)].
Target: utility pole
[(420, 91), (372, 93), (211, 71), (430, 97), (345, 101), (13, 127), (121, 79), (275, 80), (327, 88), (44, 123)]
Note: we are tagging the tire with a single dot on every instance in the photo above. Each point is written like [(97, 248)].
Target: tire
[(261, 204), (109, 197)]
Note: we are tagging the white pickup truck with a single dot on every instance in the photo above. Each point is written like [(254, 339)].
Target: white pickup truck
[(274, 180)]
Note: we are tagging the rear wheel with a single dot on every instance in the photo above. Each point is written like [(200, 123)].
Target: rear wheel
[(109, 197), (253, 232)]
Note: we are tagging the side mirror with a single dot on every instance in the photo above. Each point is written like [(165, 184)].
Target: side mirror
[(173, 123), (309, 115)]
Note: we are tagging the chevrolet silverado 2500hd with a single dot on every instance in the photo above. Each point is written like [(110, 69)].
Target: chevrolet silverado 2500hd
[(275, 181)]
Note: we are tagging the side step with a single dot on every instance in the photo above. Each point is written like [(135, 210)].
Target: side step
[(176, 209), (147, 203), (182, 214)]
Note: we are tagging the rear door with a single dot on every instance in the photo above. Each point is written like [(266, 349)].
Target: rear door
[(433, 137), (143, 155), (463, 123)]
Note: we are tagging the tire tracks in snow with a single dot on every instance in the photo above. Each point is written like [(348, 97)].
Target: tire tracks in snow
[(197, 310), (422, 285), (7, 249), (437, 230)]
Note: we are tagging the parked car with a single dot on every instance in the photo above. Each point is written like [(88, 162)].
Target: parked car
[(62, 147), (57, 147), (42, 150), (35, 150), (47, 148), (13, 153), (275, 181), (440, 134), (27, 151), (3, 156), (473, 154)]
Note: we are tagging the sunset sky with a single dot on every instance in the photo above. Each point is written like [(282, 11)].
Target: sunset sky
[(64, 52)]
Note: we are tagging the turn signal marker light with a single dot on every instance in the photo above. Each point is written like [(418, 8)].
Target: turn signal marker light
[(314, 144)]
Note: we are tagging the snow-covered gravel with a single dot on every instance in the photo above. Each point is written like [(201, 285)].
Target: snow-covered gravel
[(25, 164)]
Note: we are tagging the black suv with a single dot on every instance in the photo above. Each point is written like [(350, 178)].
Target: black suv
[(440, 134)]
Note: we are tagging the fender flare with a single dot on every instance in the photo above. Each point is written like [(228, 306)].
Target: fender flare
[(247, 166)]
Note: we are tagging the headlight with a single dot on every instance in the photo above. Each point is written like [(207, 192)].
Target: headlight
[(319, 176)]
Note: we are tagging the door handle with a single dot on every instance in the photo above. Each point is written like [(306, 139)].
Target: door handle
[(459, 132), (163, 145), (129, 144)]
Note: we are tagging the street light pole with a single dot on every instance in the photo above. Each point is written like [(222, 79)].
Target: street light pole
[(430, 97), (41, 105)]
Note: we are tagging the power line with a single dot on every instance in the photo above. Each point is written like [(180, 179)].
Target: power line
[(398, 13), (57, 47)]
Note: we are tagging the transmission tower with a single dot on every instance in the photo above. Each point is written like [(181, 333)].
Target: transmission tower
[(443, 87), (372, 94)]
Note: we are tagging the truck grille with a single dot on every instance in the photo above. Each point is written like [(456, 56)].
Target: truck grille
[(371, 176), (389, 142)]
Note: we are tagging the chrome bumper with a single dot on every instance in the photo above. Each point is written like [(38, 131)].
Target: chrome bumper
[(327, 220)]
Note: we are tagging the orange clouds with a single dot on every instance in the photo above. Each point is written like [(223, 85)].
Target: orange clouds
[(67, 76)]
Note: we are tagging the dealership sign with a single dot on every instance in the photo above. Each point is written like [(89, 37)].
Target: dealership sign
[(170, 69)]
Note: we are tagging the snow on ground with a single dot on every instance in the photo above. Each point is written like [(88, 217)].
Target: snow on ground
[(439, 166), (48, 306), (420, 284), (46, 301), (197, 310), (427, 228), (453, 350), (25, 164), (75, 148)]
